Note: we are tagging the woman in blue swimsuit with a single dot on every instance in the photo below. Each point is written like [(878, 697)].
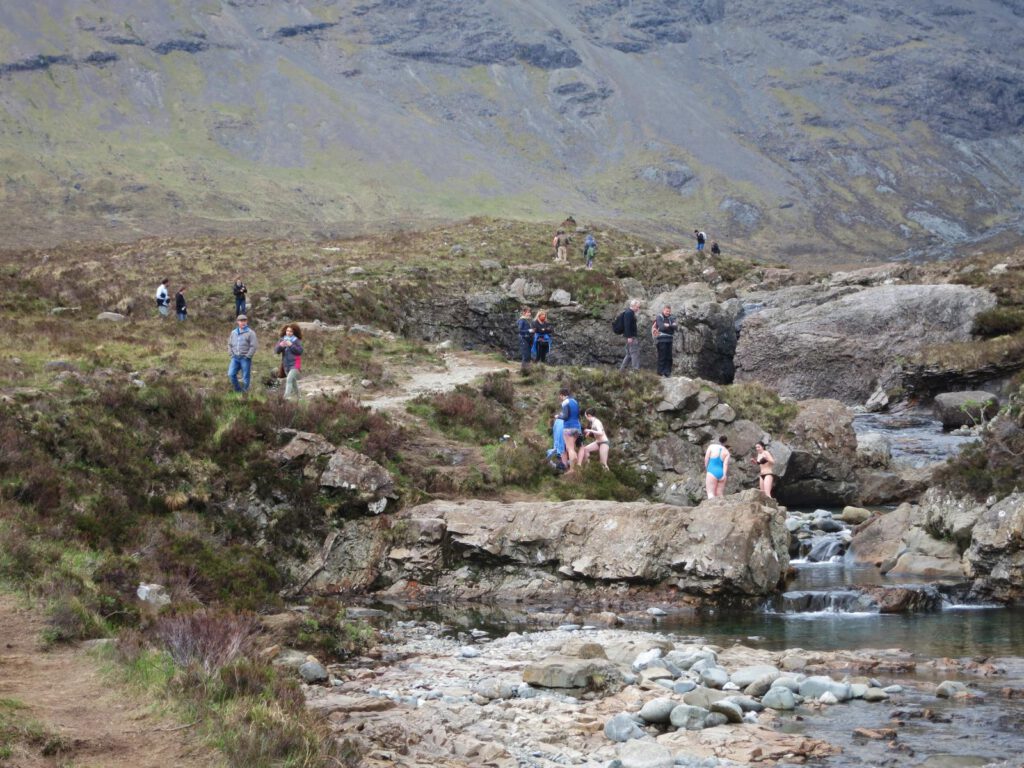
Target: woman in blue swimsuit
[(716, 462)]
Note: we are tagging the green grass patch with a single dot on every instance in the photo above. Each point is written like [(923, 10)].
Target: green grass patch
[(20, 732), (761, 405)]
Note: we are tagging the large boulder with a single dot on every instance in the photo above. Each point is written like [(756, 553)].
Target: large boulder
[(821, 467), (360, 478), (569, 672), (733, 547), (995, 559), (835, 341), (965, 409)]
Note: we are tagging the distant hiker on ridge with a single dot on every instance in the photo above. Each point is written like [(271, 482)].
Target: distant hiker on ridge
[(589, 250), (163, 299), (240, 292), (561, 243), (701, 238)]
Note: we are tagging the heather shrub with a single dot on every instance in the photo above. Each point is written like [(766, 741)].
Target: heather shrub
[(328, 632), (207, 639), (761, 405), (68, 619)]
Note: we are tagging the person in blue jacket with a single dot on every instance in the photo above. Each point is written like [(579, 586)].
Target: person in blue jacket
[(572, 429), (524, 326)]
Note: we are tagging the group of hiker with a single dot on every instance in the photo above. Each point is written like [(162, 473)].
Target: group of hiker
[(242, 342), (701, 237)]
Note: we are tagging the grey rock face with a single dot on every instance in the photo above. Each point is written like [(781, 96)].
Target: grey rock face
[(359, 476), (838, 344)]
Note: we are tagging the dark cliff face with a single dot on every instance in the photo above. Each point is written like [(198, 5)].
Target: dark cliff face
[(850, 130)]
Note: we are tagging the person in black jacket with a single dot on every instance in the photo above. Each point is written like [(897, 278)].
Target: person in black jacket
[(524, 326), (542, 331), (632, 357), (179, 304), (664, 330), (240, 292)]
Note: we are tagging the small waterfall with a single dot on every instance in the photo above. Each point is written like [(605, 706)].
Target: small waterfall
[(825, 601), (823, 549)]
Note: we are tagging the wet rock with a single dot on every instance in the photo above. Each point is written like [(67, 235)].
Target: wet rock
[(780, 698), (949, 689), (875, 695), (623, 727), (816, 686), (958, 409)]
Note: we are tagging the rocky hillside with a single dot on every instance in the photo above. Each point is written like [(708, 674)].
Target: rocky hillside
[(838, 132)]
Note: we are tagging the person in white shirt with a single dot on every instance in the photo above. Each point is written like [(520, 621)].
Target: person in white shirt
[(600, 443), (163, 300)]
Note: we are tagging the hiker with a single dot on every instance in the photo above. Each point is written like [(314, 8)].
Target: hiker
[(632, 357), (525, 327), (240, 292), (600, 443), (701, 238), (179, 304), (542, 331), (290, 350), (557, 457), (589, 250), (561, 243), (715, 250), (163, 299), (241, 347), (716, 463), (663, 331), (766, 469), (569, 223), (571, 429)]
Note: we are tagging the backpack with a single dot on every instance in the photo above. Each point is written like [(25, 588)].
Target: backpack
[(619, 324), (701, 237)]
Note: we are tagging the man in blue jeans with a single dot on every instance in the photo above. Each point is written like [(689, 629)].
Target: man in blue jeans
[(241, 347)]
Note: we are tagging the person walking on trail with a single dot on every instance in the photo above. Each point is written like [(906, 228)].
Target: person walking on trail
[(240, 292), (241, 347), (701, 238), (715, 250), (766, 469), (290, 349), (572, 428), (632, 358), (561, 242), (163, 300), (179, 304), (525, 328), (664, 330), (600, 443), (589, 250), (716, 465), (542, 331)]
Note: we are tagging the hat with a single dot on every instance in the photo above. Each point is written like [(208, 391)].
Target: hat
[(241, 317)]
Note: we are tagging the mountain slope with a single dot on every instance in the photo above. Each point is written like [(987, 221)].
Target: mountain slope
[(852, 130)]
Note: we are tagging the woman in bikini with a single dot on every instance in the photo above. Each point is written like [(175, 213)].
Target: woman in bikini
[(766, 467), (716, 463), (600, 444)]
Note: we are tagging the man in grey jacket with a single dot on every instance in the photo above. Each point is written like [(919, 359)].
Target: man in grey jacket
[(241, 347)]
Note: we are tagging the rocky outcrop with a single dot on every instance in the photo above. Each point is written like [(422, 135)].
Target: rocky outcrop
[(730, 548), (821, 467), (359, 477), (995, 558), (965, 409), (837, 341)]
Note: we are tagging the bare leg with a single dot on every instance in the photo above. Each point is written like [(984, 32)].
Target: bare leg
[(720, 487), (603, 454), (709, 484), (769, 482)]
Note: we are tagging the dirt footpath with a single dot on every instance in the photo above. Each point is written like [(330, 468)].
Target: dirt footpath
[(100, 725)]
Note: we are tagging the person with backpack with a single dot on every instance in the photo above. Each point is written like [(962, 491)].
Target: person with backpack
[(664, 330), (524, 326), (589, 250), (701, 239), (625, 324), (561, 243), (179, 304), (542, 331), (163, 300), (715, 250), (240, 292)]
